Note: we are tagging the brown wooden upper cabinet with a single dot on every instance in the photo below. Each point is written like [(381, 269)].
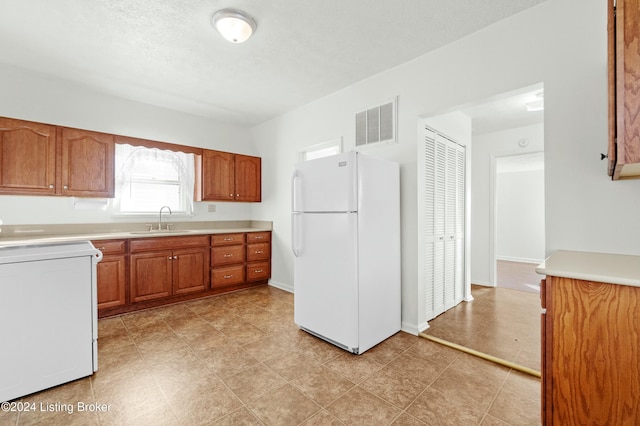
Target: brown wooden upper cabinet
[(624, 96), (41, 159), (87, 163), (27, 157), (231, 177)]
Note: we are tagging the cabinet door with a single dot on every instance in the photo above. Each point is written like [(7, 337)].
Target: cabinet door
[(624, 97), (150, 275), (248, 179), (87, 163), (595, 344), (27, 157), (190, 270), (217, 176), (111, 281)]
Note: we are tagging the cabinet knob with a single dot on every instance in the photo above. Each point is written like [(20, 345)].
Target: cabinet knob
[(170, 257), (230, 195), (65, 187), (237, 195), (175, 257), (51, 186), (603, 156)]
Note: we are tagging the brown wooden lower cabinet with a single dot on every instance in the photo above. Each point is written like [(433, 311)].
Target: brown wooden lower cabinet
[(146, 272), (590, 353), (112, 273)]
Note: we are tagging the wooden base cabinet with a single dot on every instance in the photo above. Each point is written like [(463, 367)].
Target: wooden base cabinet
[(112, 273), (162, 267), (591, 353), (258, 256), (142, 273), (227, 259)]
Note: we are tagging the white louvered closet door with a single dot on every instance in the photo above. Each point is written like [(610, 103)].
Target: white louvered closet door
[(443, 216)]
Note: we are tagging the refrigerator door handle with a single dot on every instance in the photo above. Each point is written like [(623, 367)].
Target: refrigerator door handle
[(295, 237), (294, 194)]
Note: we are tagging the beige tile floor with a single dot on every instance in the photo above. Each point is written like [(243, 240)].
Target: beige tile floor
[(501, 322), (239, 359)]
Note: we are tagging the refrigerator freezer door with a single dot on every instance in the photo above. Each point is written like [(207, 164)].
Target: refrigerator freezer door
[(326, 184), (326, 276)]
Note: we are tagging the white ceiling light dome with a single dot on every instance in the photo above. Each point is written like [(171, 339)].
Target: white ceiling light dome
[(234, 25)]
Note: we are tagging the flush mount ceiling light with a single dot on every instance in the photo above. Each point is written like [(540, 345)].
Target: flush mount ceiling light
[(234, 25)]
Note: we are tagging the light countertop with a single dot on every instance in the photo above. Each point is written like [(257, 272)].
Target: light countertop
[(61, 233), (588, 266)]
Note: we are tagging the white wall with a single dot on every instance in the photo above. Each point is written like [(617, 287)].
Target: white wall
[(486, 149), (520, 216), (35, 97), (561, 43)]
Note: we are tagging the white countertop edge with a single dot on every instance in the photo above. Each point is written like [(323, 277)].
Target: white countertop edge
[(589, 266)]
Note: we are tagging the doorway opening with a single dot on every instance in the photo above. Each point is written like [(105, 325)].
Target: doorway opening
[(505, 133), (519, 220)]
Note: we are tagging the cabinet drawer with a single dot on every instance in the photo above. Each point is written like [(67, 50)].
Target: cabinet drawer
[(258, 251), (227, 276), (168, 243), (258, 271), (258, 237), (225, 255), (111, 246), (227, 239)]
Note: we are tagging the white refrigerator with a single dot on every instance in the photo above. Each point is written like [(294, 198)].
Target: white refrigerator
[(346, 244)]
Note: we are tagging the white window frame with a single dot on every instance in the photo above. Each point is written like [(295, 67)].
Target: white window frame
[(320, 150), (186, 180)]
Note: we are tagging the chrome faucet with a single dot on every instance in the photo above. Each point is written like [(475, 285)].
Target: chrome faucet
[(160, 219)]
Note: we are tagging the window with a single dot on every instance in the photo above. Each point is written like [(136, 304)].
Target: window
[(325, 149), (149, 178)]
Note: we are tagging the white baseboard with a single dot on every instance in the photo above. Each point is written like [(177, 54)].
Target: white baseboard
[(482, 283), (281, 286), (519, 259), (410, 328)]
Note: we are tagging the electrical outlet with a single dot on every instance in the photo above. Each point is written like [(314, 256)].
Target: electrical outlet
[(211, 208)]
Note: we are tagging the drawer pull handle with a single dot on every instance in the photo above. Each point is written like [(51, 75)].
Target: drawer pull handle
[(228, 255), (259, 238), (259, 251), (227, 277), (228, 239), (258, 271)]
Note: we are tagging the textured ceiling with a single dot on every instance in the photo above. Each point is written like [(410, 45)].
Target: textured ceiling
[(166, 53)]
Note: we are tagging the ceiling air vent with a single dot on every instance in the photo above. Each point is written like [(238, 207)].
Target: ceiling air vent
[(377, 124)]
